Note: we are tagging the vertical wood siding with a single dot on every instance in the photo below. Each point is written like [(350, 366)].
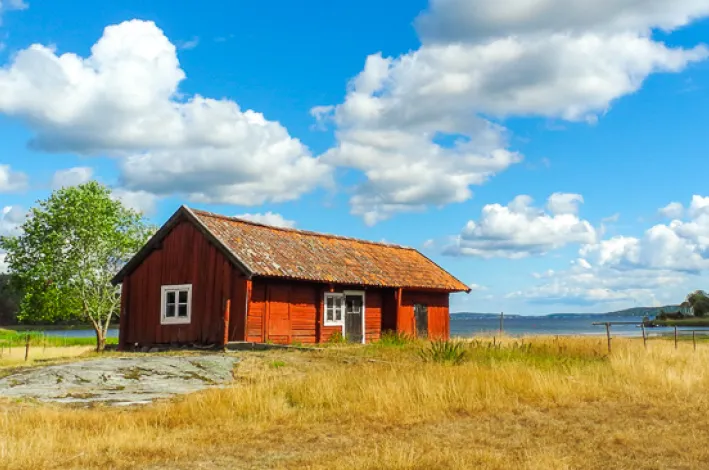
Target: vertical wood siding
[(438, 315), (186, 257), (283, 312), (388, 310), (373, 315)]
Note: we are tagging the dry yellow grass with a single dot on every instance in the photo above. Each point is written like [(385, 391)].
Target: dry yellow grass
[(557, 404), (15, 356)]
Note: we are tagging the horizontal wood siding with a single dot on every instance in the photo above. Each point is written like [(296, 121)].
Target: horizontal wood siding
[(256, 312), (373, 315), (237, 323), (278, 307), (184, 257), (304, 306), (388, 310), (438, 315), (292, 312)]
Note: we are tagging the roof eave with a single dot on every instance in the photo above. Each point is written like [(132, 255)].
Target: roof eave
[(187, 213), (228, 252)]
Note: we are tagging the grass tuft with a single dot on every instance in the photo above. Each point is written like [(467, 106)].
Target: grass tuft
[(394, 339), (444, 352)]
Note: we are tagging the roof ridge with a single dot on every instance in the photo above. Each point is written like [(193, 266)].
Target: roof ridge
[(296, 230)]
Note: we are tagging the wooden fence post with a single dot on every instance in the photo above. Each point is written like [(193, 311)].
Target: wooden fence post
[(694, 339), (502, 323), (608, 334), (644, 336), (675, 336), (27, 348)]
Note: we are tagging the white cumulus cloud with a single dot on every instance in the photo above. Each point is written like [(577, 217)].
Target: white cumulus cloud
[(268, 218), (124, 100), (11, 181), (659, 267), (681, 245), (417, 127), (71, 177), (140, 201), (673, 210), (519, 229)]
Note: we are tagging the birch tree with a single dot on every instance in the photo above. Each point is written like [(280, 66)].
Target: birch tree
[(69, 249)]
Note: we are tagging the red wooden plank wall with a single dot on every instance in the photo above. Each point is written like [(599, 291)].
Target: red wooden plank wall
[(373, 315), (186, 257), (283, 312), (278, 310), (438, 315), (304, 306), (388, 309)]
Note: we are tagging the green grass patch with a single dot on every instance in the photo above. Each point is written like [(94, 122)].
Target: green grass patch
[(684, 322), (552, 355), (445, 352), (394, 339), (12, 338)]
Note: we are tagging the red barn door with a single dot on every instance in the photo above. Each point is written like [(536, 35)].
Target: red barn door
[(278, 327)]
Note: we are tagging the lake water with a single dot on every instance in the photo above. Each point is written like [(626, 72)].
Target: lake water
[(112, 333), (468, 325)]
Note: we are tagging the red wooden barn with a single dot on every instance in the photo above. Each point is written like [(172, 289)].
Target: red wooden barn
[(210, 279)]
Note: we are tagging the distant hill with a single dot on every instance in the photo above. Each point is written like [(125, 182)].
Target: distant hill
[(628, 312), (480, 316), (641, 311)]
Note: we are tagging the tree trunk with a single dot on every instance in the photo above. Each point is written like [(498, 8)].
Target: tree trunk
[(100, 339)]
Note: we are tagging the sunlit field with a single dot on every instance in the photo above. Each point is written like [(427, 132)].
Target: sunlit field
[(536, 403)]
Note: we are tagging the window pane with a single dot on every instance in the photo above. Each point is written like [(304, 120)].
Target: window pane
[(329, 314), (183, 296), (170, 310), (338, 314), (328, 301), (338, 302), (171, 297), (182, 311)]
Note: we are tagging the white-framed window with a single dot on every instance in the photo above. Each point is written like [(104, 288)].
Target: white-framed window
[(334, 309), (176, 304)]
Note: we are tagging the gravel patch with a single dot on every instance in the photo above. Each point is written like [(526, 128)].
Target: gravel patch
[(119, 381)]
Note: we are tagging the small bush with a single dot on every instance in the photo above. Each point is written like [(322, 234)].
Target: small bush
[(394, 339), (336, 338), (444, 352), (277, 364)]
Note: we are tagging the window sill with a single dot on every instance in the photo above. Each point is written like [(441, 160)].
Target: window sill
[(180, 321)]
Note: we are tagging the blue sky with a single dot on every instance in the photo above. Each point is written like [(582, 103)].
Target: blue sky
[(534, 155)]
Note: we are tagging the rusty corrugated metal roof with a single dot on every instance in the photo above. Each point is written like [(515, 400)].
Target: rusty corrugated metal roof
[(297, 254)]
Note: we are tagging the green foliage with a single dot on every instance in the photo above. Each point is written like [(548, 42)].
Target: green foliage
[(699, 300), (336, 338), (9, 338), (70, 247), (394, 339), (277, 364), (10, 298), (444, 352)]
